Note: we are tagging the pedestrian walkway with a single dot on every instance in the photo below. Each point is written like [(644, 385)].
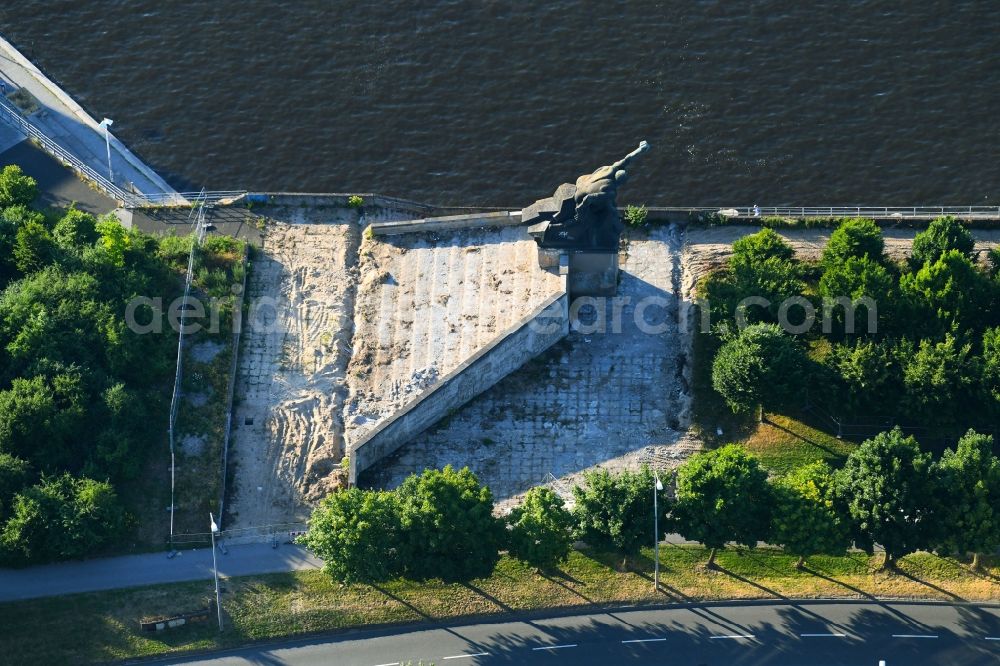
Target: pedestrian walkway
[(66, 123), (150, 569)]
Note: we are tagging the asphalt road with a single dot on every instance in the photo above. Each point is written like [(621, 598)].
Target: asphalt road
[(149, 569), (57, 185), (814, 634)]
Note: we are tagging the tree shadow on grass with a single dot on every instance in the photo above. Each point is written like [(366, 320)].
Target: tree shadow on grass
[(802, 437), (747, 581), (554, 576), (486, 595), (856, 590), (404, 602)]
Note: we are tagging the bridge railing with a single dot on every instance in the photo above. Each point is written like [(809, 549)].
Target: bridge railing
[(876, 212), (13, 116)]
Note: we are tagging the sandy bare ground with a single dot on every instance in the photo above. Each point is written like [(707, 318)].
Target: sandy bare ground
[(288, 434)]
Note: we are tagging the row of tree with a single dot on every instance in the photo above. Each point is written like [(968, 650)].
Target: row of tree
[(441, 524), (936, 332)]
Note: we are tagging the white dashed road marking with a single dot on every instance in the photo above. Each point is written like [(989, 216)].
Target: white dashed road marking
[(914, 636), (734, 636), (823, 635), (554, 647), (644, 640), (467, 656)]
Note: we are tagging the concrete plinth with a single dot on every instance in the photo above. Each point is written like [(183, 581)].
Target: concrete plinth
[(593, 273)]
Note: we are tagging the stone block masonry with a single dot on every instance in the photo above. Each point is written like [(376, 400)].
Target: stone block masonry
[(531, 336)]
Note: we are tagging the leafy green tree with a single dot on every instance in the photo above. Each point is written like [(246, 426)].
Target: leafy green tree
[(114, 239), (763, 267), (540, 530), (723, 496), (355, 532), (806, 520), (15, 474), (888, 490), (870, 375), (857, 278), (991, 364), (16, 188), (993, 262), (761, 367), (33, 247), (942, 379), (857, 238), (615, 512), (760, 246), (42, 419), (941, 235), (75, 229), (448, 528), (61, 317), (62, 518), (968, 483), (950, 290)]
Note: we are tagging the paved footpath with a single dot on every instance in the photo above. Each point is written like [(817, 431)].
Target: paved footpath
[(150, 569), (65, 122)]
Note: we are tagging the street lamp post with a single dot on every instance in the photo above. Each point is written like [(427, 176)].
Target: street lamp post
[(215, 567), (657, 487), (106, 123)]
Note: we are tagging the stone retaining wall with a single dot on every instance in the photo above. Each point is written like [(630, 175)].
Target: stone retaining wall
[(447, 223), (545, 326)]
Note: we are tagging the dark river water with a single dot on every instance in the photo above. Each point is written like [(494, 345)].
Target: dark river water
[(496, 103)]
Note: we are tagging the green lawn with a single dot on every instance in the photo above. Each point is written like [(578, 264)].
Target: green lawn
[(103, 626), (783, 443)]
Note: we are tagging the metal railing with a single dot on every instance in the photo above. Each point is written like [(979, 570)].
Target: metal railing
[(179, 372), (876, 212), (128, 199), (277, 533)]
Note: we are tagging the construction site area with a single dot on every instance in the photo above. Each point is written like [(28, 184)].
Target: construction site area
[(351, 332)]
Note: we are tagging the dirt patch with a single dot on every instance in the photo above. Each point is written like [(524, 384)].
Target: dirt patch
[(288, 440)]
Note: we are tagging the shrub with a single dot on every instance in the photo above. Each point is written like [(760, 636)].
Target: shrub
[(355, 533), (856, 237), (614, 512), (448, 528), (635, 216), (940, 236), (16, 188), (355, 202), (540, 529)]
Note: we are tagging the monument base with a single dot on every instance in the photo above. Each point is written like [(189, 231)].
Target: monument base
[(593, 274)]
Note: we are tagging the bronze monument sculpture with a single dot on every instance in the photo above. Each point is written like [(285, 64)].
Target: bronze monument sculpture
[(582, 217)]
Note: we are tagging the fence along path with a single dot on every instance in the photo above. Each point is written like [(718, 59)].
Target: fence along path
[(13, 117)]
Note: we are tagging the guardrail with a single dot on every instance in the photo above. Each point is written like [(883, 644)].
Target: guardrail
[(128, 199), (875, 212), (199, 236)]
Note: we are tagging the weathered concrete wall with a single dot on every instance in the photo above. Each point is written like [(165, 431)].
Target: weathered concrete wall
[(340, 199), (447, 223), (545, 326)]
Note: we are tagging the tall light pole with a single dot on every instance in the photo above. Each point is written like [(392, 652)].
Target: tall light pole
[(106, 123), (657, 488), (215, 566)]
